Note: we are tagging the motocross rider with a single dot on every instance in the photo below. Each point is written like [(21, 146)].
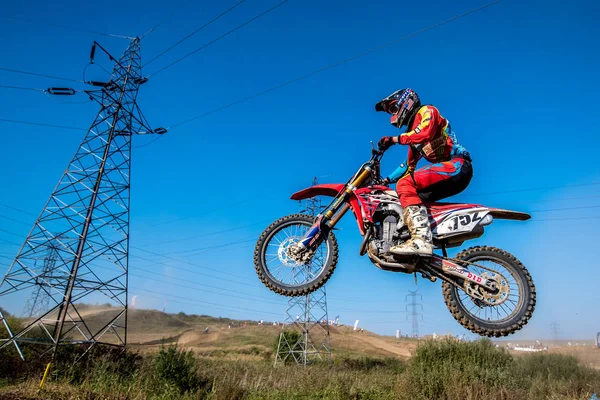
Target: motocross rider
[(428, 135)]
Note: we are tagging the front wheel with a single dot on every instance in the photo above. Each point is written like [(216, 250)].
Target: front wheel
[(497, 314), (282, 274)]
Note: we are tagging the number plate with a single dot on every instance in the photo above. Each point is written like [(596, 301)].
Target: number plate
[(460, 221)]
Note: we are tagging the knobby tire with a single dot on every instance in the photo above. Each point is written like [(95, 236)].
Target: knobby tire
[(293, 290), (493, 329)]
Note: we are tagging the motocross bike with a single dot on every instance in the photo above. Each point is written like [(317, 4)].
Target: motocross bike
[(486, 289)]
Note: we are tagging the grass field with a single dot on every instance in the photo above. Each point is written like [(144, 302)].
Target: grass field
[(237, 363), (437, 370)]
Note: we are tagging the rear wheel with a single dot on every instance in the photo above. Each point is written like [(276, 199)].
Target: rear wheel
[(282, 274), (500, 313)]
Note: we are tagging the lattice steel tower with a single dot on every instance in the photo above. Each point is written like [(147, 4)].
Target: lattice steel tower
[(308, 316), (82, 233), (39, 301), (413, 311)]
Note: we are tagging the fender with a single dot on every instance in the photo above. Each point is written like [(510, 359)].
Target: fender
[(329, 190), (500, 213), (332, 190)]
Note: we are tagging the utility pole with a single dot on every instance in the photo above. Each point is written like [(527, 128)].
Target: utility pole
[(308, 316), (82, 233), (413, 310)]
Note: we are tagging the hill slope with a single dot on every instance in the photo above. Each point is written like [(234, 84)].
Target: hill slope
[(227, 338)]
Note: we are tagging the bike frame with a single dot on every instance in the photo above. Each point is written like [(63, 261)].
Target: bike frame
[(344, 200)]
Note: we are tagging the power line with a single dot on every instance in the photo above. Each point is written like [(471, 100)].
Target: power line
[(67, 27), (194, 32), (587, 197), (214, 233), (14, 121), (50, 91), (566, 208), (170, 299), (193, 271), (203, 213), (226, 289), (14, 220), (9, 242), (197, 250), (229, 294), (222, 36), (146, 251), (165, 19), (535, 189), (22, 88), (18, 71), (564, 219), (338, 63), (149, 143), (204, 302)]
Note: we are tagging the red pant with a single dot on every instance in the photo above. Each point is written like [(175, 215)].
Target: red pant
[(435, 181)]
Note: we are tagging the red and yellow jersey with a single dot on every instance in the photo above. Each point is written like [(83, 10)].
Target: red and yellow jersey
[(430, 137)]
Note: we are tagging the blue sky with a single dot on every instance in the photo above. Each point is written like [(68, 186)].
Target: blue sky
[(517, 80)]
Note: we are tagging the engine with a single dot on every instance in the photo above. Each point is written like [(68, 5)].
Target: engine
[(389, 228)]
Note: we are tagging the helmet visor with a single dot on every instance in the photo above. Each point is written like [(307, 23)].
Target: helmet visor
[(391, 106)]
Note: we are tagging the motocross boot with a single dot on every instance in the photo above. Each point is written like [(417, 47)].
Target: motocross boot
[(420, 242)]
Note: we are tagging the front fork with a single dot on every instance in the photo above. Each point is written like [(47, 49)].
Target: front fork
[(326, 221)]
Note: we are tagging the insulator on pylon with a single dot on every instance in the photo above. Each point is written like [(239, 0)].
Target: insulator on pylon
[(140, 81), (97, 83), (160, 131), (59, 91), (92, 53)]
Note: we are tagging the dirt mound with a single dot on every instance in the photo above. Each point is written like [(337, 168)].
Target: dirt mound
[(148, 329), (153, 321)]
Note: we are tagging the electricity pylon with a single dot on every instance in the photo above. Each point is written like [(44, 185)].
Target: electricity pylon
[(85, 223), (413, 311), (308, 316), (39, 301)]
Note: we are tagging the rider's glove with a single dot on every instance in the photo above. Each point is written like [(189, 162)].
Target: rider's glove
[(385, 181), (385, 143)]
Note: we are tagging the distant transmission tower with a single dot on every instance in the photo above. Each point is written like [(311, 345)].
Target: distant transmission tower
[(413, 311), (39, 301), (555, 330), (308, 316), (82, 233)]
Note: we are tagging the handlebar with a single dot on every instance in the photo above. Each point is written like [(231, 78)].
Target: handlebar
[(376, 155), (376, 152)]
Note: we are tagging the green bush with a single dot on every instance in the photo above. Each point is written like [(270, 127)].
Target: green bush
[(288, 340), (438, 366), (550, 366), (178, 368)]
